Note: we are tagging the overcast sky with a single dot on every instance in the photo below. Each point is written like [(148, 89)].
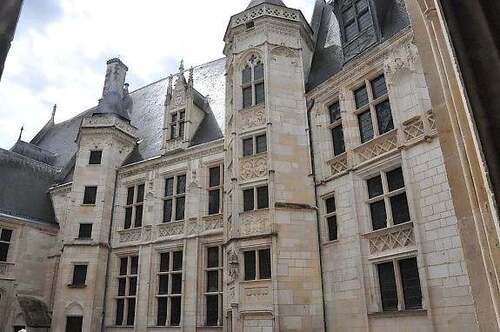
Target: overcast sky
[(59, 52)]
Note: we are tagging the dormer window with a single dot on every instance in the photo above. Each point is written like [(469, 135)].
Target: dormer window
[(356, 17), (253, 83), (177, 121)]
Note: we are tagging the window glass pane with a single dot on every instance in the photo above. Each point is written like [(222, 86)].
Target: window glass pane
[(248, 147), (361, 97), (164, 262), (334, 111), (214, 176), (338, 140), (247, 97), (179, 208), (138, 216), (4, 251), (212, 310), (361, 5), (123, 266), (134, 260), (351, 31), (121, 286), (375, 186), (214, 201), (365, 126), (395, 179), (262, 198), (85, 231), (181, 184), (175, 311), (95, 157), (248, 203), (259, 72), (330, 204), (247, 75), (212, 281), (181, 129), (265, 264), (89, 196), (167, 210), (364, 20), (173, 131), (332, 228), (79, 275), (261, 143), (379, 216), (384, 117), (128, 218), (162, 312), (131, 312), (169, 187), (130, 195), (6, 235), (119, 312), (379, 87), (176, 283), (140, 193), (250, 270), (177, 263), (132, 286), (387, 282), (182, 115), (399, 208), (213, 257), (260, 95), (411, 283), (163, 285), (348, 14)]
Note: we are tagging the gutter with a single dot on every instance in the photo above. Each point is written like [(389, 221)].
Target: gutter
[(318, 230)]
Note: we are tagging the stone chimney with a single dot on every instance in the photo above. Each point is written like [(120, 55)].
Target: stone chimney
[(115, 77)]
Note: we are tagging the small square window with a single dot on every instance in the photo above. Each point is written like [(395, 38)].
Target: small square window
[(73, 324), (395, 179), (79, 275), (89, 196), (330, 204), (248, 200), (248, 147), (85, 231), (261, 143), (332, 228), (95, 157)]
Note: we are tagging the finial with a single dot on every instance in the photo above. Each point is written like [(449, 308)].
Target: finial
[(191, 75), (54, 110), (181, 67), (21, 133), (125, 89)]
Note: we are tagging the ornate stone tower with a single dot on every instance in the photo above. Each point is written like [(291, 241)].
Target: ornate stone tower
[(104, 141), (274, 278)]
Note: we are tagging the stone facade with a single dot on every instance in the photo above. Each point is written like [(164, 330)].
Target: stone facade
[(239, 233)]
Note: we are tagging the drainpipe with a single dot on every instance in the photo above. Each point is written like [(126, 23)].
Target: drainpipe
[(318, 226)]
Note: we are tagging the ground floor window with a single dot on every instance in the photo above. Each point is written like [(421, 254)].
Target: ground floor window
[(169, 293), (213, 286), (74, 324)]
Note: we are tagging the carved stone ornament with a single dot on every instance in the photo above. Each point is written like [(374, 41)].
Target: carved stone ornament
[(253, 167), (233, 270), (252, 117), (403, 59)]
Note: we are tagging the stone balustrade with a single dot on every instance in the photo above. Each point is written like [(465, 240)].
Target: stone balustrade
[(398, 238)]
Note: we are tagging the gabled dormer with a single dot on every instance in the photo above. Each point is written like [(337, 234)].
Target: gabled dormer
[(185, 109)]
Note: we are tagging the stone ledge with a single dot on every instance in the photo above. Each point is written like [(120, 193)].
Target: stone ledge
[(395, 314)]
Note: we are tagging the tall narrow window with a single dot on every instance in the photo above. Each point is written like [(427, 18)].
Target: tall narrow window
[(215, 190), (406, 297), (255, 198), (336, 129), (95, 157), (257, 264), (331, 218), (213, 287), (134, 208), (387, 199), (177, 124), (74, 323), (127, 291), (252, 78), (175, 198), (373, 109), (89, 195), (79, 275), (254, 145), (169, 295), (356, 18), (5, 240)]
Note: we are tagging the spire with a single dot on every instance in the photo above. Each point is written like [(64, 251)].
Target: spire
[(181, 67), (54, 110), (21, 133), (190, 80)]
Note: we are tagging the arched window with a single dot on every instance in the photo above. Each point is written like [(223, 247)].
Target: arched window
[(356, 17), (253, 82)]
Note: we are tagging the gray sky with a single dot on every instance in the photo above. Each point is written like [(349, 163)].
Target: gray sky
[(59, 52)]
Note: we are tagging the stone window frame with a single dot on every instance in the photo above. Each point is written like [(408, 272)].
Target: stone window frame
[(256, 250), (386, 195), (254, 137), (253, 61), (254, 187), (170, 251), (220, 292), (71, 283), (333, 124), (79, 237), (95, 162), (327, 215), (175, 127), (9, 242), (401, 306), (219, 187), (134, 205), (371, 104), (89, 187), (126, 297), (174, 197)]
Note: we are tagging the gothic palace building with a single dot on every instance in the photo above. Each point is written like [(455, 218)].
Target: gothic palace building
[(322, 205)]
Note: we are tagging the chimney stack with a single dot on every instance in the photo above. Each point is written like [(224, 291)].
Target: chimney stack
[(115, 77)]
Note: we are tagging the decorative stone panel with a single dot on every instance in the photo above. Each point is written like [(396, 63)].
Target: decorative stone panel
[(6, 270), (377, 147), (252, 117), (170, 229), (265, 10), (130, 235), (252, 167), (338, 165), (431, 119), (174, 144), (397, 237), (109, 121), (254, 223), (413, 128), (214, 222)]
